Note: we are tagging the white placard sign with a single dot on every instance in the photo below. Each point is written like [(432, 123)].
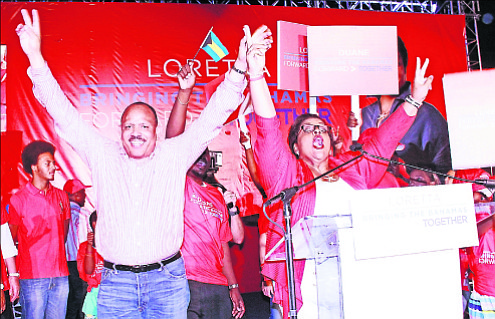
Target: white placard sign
[(400, 221), (352, 60), (470, 109)]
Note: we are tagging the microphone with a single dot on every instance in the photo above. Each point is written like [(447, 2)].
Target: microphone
[(356, 147), (230, 205), (286, 193), (488, 183)]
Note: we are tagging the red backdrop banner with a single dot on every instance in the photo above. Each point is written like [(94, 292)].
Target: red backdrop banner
[(107, 55)]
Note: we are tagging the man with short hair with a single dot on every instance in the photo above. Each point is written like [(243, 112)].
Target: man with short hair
[(39, 219), (78, 224), (139, 184)]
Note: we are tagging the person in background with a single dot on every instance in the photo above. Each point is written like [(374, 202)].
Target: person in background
[(9, 291), (309, 155), (90, 265), (475, 267), (76, 192), (137, 174), (206, 250), (39, 216), (426, 143)]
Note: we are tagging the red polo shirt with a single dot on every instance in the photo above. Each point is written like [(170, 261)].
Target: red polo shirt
[(40, 220)]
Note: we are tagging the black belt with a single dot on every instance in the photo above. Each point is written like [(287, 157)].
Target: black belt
[(141, 268)]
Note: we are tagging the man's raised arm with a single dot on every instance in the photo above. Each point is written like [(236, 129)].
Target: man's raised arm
[(68, 123)]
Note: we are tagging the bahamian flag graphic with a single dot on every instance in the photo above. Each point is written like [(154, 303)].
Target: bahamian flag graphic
[(214, 47)]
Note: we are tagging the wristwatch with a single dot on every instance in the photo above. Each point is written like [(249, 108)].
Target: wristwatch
[(234, 213)]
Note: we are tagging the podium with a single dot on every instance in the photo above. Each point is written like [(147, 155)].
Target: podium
[(386, 260)]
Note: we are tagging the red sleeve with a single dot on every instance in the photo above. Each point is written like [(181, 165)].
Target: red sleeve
[(383, 143), (81, 252), (4, 218), (66, 205), (272, 156), (14, 217)]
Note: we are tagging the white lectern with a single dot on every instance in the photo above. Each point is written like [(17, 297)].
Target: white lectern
[(387, 260)]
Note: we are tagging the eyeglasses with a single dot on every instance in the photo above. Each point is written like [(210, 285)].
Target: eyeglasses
[(310, 128)]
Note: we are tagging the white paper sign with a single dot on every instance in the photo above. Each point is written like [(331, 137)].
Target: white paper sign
[(352, 60), (470, 111), (400, 221)]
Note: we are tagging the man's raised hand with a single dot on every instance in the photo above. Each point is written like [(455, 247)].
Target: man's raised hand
[(30, 37), (422, 84)]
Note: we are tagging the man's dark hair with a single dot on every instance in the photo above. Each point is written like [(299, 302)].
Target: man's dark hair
[(402, 51), (296, 127), (31, 153), (139, 103)]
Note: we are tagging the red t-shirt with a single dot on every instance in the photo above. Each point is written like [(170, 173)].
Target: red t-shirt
[(40, 219), (482, 263), (94, 279), (206, 228)]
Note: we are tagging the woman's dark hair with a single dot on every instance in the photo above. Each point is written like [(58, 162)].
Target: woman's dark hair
[(296, 127), (31, 153)]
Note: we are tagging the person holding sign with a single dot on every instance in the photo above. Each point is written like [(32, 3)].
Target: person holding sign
[(310, 154), (426, 143)]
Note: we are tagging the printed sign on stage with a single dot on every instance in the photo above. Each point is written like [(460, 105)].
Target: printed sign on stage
[(470, 113), (352, 60), (401, 221), (292, 56)]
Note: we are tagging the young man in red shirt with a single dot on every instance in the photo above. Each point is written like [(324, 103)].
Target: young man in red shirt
[(39, 219)]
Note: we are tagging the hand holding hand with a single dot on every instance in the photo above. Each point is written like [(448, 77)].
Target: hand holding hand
[(262, 36), (421, 84), (30, 37), (187, 77), (238, 308), (256, 60)]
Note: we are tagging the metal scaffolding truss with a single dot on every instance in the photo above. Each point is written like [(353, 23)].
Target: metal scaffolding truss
[(470, 9)]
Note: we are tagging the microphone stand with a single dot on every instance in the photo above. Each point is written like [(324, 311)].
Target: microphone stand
[(286, 197)]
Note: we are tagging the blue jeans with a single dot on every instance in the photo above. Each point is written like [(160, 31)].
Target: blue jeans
[(44, 297), (275, 310), (160, 293)]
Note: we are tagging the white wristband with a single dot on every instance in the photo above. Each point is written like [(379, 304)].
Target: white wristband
[(247, 145)]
